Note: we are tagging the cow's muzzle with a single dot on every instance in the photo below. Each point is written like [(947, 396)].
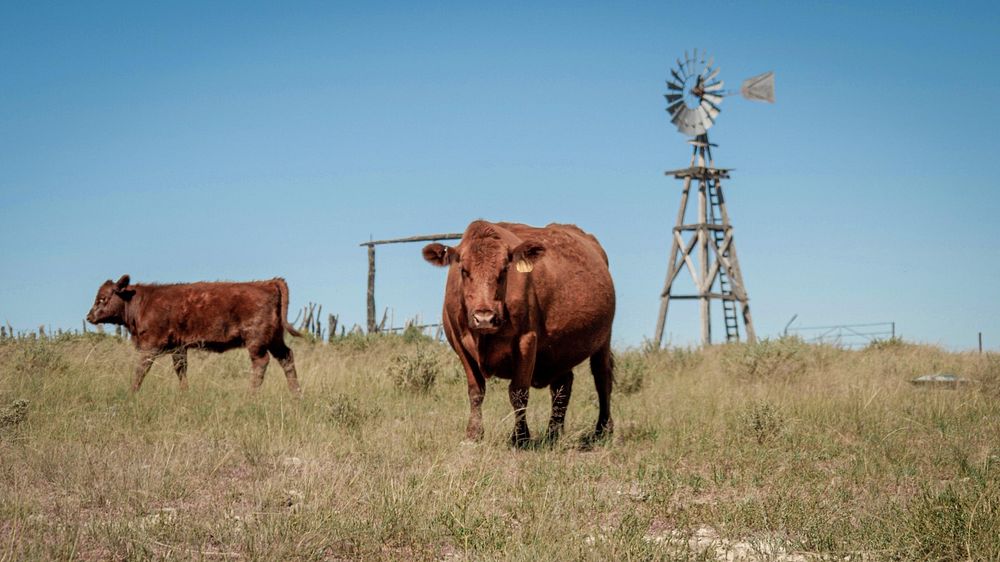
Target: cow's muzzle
[(484, 320)]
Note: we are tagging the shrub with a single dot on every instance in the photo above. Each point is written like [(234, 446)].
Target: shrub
[(413, 334), (878, 344), (762, 421), (416, 370), (782, 358), (347, 411), (630, 373), (13, 415)]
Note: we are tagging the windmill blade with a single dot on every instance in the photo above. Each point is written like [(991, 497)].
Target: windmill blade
[(712, 98), (677, 77), (676, 117), (671, 98), (759, 88), (680, 66), (675, 108), (715, 86), (675, 87), (711, 76), (703, 117), (710, 108)]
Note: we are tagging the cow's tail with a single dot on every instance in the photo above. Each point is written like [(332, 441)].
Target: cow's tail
[(283, 312)]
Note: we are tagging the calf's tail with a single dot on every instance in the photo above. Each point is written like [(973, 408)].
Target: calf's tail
[(283, 312)]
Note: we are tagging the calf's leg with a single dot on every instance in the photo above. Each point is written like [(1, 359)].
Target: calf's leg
[(146, 359), (283, 354), (561, 389), (258, 360), (602, 365), (181, 366)]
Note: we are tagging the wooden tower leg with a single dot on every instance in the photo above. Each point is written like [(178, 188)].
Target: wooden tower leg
[(672, 267), (704, 283)]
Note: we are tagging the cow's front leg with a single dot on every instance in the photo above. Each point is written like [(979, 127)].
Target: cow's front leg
[(181, 366), (561, 389), (146, 359), (524, 368), (477, 391)]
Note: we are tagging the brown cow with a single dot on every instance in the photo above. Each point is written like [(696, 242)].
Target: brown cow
[(528, 304), (214, 316)]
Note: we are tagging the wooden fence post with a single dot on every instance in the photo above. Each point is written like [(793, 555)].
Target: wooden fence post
[(371, 289)]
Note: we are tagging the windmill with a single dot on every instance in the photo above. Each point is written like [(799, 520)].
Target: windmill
[(694, 98)]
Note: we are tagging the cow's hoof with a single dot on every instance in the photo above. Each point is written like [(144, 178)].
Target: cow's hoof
[(588, 442), (474, 434), (552, 435), (520, 439)]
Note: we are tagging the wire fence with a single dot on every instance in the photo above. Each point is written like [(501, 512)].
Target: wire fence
[(845, 335)]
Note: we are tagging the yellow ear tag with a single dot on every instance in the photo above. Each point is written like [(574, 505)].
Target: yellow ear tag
[(524, 266)]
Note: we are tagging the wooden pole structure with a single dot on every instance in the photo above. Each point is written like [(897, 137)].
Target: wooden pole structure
[(371, 288), (706, 311), (717, 264), (372, 323)]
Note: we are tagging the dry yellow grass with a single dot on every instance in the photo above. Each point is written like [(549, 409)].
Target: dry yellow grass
[(774, 451)]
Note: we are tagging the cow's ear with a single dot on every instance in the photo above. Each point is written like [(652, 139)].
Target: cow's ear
[(439, 254), (526, 254)]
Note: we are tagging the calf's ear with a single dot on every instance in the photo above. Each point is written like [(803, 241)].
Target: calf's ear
[(439, 254), (120, 288), (526, 254)]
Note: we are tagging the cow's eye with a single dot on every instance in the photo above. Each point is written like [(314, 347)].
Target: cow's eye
[(465, 273)]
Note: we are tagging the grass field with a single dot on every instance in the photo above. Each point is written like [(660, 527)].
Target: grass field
[(777, 451)]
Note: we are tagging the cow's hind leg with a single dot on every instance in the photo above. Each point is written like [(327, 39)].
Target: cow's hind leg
[(258, 359), (561, 389), (283, 354), (181, 366), (602, 365), (146, 359)]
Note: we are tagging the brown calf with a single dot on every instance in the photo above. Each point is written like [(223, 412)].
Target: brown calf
[(214, 316)]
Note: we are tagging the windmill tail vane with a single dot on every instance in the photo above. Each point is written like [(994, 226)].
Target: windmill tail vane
[(759, 88)]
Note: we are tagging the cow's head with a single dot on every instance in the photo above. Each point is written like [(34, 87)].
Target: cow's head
[(109, 305), (483, 265)]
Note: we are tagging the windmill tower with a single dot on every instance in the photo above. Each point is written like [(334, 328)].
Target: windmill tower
[(706, 247)]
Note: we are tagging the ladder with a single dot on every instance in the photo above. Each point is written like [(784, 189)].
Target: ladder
[(728, 304)]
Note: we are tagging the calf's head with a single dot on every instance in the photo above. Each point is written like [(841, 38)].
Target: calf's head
[(109, 304), (483, 264)]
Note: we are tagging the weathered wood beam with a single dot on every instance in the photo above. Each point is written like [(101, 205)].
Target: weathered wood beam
[(422, 238)]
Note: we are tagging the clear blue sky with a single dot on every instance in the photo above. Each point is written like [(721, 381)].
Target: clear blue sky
[(212, 140)]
